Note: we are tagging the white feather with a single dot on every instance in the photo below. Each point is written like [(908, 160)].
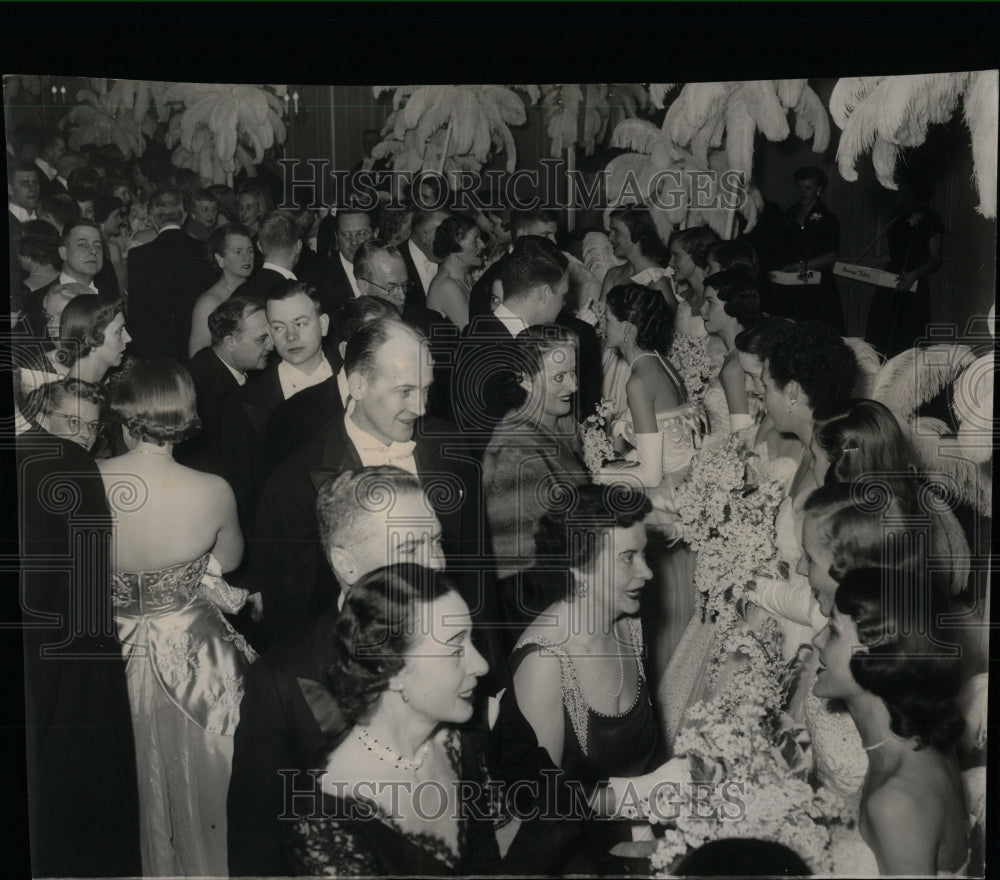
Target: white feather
[(598, 255), (981, 116)]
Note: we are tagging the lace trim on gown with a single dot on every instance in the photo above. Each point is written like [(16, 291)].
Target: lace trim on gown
[(574, 700)]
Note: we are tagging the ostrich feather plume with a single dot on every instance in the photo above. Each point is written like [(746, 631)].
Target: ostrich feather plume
[(981, 101), (598, 255)]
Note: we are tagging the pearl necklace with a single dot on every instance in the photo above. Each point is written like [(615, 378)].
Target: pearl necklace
[(164, 451), (384, 753), (877, 745), (600, 681)]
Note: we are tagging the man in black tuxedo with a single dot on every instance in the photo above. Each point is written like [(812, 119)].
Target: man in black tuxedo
[(22, 199), (534, 282), (418, 253), (241, 344), (165, 278), (82, 786), (380, 271), (298, 327), (82, 255), (353, 227), (279, 242), (288, 719), (389, 371), (51, 146)]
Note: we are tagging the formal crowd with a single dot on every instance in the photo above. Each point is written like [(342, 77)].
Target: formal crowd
[(317, 578)]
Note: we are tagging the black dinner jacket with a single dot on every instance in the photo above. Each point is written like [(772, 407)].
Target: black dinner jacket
[(297, 419), (340, 290), (261, 283), (165, 277), (418, 293), (242, 434), (288, 721), (213, 383), (286, 560)]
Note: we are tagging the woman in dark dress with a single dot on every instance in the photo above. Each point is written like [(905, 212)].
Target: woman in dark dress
[(898, 318), (812, 238), (404, 672), (578, 677)]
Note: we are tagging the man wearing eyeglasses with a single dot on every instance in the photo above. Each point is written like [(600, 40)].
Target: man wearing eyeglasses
[(354, 226), (380, 271)]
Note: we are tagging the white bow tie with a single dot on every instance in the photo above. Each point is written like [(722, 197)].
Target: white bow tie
[(388, 454)]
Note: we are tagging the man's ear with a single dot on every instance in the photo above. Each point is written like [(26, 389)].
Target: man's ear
[(324, 323), (793, 391), (229, 342), (344, 565), (357, 385), (62, 252), (342, 348)]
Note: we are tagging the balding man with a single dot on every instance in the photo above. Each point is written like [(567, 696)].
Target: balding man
[(288, 719), (380, 271), (165, 278), (389, 370)]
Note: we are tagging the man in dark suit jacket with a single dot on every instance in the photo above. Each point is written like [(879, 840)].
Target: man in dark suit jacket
[(352, 228), (418, 253), (288, 719), (83, 792), (240, 345), (388, 370), (165, 277), (298, 328), (51, 147), (279, 242), (535, 281)]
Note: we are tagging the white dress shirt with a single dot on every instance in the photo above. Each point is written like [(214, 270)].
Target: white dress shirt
[(69, 279), (22, 215), (373, 451), (426, 269), (238, 375), (293, 380), (281, 270), (342, 386), (45, 168), (349, 269), (513, 323)]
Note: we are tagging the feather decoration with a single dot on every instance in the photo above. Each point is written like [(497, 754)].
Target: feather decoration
[(627, 179), (811, 120), (869, 363), (658, 93), (973, 703), (740, 130), (701, 101), (884, 157), (980, 109), (598, 255), (917, 375), (637, 135), (848, 92), (790, 91), (765, 109)]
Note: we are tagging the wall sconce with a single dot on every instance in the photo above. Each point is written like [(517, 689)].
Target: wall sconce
[(58, 94), (295, 108)]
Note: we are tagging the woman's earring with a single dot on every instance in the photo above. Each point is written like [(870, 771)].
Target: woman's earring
[(788, 406), (403, 697)]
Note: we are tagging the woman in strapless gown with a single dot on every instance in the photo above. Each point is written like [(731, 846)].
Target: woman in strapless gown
[(176, 531), (657, 434)]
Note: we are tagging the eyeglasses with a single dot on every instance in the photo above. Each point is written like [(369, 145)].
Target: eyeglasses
[(75, 423), (399, 288)]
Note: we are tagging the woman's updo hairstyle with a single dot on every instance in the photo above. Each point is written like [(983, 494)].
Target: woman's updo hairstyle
[(816, 356), (642, 231), (568, 535), (156, 401), (524, 359), (376, 628), (647, 311), (82, 326), (737, 291), (760, 339), (695, 242), (220, 236), (862, 437), (449, 234), (909, 663)]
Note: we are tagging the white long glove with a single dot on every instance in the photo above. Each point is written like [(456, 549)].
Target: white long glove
[(739, 421), (649, 471)]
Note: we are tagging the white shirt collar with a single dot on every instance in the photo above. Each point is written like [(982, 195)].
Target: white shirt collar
[(349, 269), (19, 212), (293, 380), (281, 270), (63, 181), (167, 226), (426, 268), (69, 279), (45, 168), (373, 451), (238, 375), (514, 323)]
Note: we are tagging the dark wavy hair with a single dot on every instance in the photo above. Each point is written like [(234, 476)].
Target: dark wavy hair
[(738, 292), (738, 254), (82, 326), (908, 663), (448, 236), (568, 534), (642, 231), (524, 359), (862, 437), (40, 242), (156, 401), (216, 244), (648, 311), (760, 339), (374, 631), (695, 242), (815, 356)]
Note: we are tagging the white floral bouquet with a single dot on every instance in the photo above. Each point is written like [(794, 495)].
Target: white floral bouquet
[(752, 762), (689, 354), (594, 436), (728, 522)]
